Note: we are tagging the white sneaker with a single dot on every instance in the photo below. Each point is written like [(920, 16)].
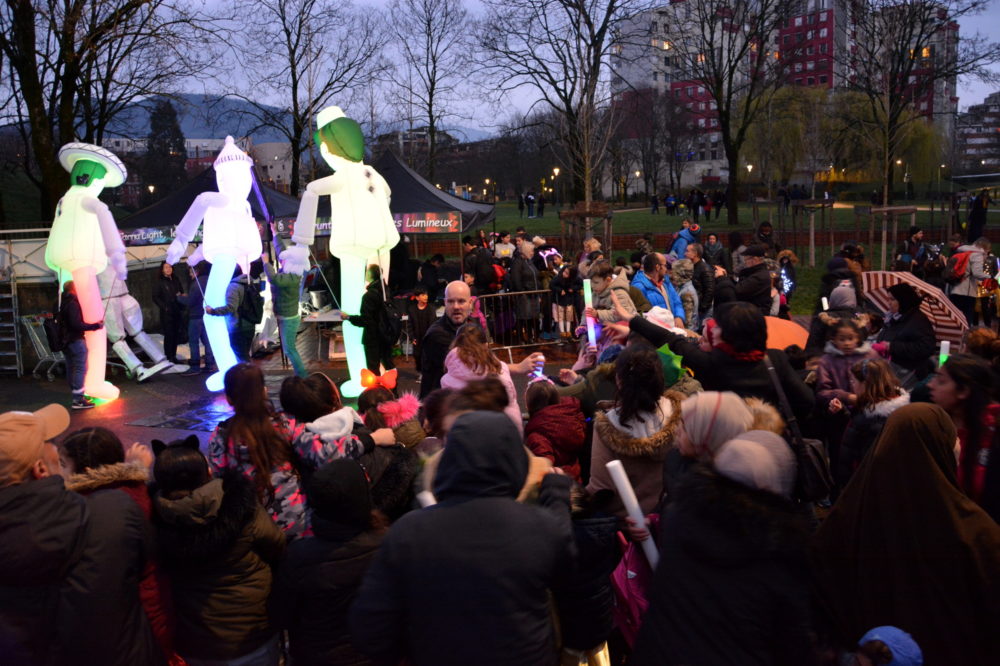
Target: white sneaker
[(175, 368), (142, 374)]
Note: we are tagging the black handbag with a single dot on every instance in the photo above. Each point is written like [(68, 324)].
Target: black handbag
[(813, 480)]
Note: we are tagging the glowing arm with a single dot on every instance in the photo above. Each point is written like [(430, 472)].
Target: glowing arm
[(189, 224), (113, 245), (295, 259)]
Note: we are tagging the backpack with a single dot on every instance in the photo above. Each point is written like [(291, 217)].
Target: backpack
[(251, 307), (390, 323), (956, 268)]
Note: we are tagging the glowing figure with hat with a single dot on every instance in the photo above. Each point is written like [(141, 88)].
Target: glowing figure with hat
[(230, 237), (362, 226), (83, 241)]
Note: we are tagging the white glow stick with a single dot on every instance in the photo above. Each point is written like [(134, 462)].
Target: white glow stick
[(426, 498), (588, 299), (826, 304), (627, 494), (945, 350)]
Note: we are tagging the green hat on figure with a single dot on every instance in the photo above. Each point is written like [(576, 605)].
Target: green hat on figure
[(341, 135)]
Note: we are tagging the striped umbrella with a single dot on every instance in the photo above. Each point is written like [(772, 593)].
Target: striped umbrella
[(948, 322)]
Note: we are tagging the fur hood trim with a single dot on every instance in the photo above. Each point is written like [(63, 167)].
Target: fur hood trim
[(398, 412), (335, 425), (106, 475), (887, 407), (656, 445)]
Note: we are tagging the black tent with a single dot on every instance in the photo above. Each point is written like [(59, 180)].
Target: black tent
[(411, 193)]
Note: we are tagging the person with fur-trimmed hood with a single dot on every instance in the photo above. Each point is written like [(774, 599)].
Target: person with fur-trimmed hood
[(94, 460), (218, 544), (639, 431)]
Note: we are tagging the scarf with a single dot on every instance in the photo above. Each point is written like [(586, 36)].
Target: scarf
[(755, 355)]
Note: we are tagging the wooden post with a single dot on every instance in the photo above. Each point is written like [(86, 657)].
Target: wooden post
[(812, 239), (913, 219), (833, 246), (884, 224), (895, 230), (871, 230)]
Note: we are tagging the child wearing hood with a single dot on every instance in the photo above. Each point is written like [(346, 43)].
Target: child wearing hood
[(847, 346), (556, 428)]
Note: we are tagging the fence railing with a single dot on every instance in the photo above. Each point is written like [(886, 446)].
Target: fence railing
[(526, 318)]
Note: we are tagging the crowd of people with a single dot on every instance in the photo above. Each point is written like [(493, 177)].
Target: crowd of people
[(474, 524)]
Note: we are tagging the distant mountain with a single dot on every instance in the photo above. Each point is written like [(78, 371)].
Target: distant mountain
[(215, 116)]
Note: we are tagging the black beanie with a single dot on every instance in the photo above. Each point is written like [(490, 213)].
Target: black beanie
[(339, 492), (906, 295)]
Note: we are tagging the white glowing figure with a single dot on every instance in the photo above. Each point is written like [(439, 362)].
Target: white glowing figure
[(83, 241), (123, 316), (362, 227), (230, 237)]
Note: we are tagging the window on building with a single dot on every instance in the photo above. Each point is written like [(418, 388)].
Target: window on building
[(810, 34), (690, 91), (823, 32), (701, 123), (811, 19), (823, 79), (799, 37), (787, 39), (810, 81), (798, 67), (822, 17), (701, 155), (654, 76), (923, 106), (798, 21), (927, 51), (652, 27), (810, 65), (701, 106), (822, 48), (715, 122), (809, 50), (677, 93), (666, 61)]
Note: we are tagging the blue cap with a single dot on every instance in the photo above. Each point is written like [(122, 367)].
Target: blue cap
[(905, 651)]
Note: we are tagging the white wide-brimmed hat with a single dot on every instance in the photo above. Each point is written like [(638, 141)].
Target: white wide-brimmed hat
[(72, 153)]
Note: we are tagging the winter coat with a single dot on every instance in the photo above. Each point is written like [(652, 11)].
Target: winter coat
[(862, 431), (586, 602), (287, 505), (718, 371), (165, 293), (641, 445), (732, 586), (69, 584), (598, 383), (573, 289), (656, 297), (71, 319), (466, 581), (370, 317), (479, 264), (433, 349), (457, 375), (153, 594), (769, 241), (683, 238), (716, 255), (833, 374), (976, 271), (523, 276), (195, 298), (753, 286), (704, 284), (558, 432), (313, 591), (606, 313), (218, 545), (286, 292), (419, 321), (911, 342)]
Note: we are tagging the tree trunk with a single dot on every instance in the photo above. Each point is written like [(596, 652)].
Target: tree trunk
[(732, 191)]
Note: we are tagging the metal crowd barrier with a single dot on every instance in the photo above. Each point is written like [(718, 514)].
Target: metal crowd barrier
[(519, 319)]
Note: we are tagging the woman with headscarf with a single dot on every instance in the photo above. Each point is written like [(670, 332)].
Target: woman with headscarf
[(908, 339), (467, 581), (732, 583), (905, 546)]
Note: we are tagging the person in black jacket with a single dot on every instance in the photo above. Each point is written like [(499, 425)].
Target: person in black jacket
[(75, 348), (431, 278), (421, 315), (467, 580), (437, 341), (753, 283), (378, 350), (738, 336), (69, 584), (907, 339), (166, 295), (703, 280), (732, 586), (195, 301), (479, 264), (319, 579)]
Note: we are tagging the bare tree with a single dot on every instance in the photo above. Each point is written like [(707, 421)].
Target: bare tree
[(722, 46), (301, 56), (430, 36), (561, 49), (904, 52), (73, 65)]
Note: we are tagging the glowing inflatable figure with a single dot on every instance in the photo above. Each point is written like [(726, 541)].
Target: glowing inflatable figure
[(362, 226), (84, 240), (230, 237), (123, 316)]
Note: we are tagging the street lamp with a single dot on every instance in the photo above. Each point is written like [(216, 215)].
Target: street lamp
[(151, 188), (749, 187), (555, 175)]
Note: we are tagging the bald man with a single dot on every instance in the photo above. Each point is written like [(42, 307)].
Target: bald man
[(437, 340)]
